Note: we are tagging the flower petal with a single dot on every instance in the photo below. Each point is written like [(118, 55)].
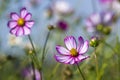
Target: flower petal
[(29, 23), (28, 16), (61, 50), (107, 17), (90, 26), (95, 19), (80, 43), (72, 61), (84, 48), (37, 74), (80, 58), (20, 31), (23, 12), (26, 30), (12, 24), (14, 16), (14, 30), (63, 59), (70, 42)]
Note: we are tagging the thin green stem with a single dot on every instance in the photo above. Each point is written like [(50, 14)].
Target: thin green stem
[(96, 63), (32, 44), (33, 68), (34, 57), (44, 47), (80, 71)]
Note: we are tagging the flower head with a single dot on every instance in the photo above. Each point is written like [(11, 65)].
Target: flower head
[(115, 6), (28, 74), (74, 53), (106, 1), (94, 42), (20, 24), (13, 41), (62, 7), (63, 25), (98, 22)]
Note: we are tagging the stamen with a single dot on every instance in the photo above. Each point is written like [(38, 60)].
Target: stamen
[(74, 52), (21, 22)]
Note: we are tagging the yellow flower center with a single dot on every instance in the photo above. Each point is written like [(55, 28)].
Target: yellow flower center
[(21, 22), (73, 52)]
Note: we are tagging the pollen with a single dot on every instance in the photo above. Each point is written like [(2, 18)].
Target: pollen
[(73, 52), (21, 22)]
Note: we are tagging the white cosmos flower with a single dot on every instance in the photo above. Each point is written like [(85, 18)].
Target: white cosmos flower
[(13, 40), (116, 6), (62, 7)]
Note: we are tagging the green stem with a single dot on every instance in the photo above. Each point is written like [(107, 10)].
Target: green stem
[(32, 44), (44, 47), (96, 63), (33, 68), (34, 57), (80, 71)]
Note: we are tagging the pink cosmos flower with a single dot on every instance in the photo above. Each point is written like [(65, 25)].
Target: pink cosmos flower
[(106, 1), (98, 21), (20, 24), (74, 53), (63, 25), (28, 74)]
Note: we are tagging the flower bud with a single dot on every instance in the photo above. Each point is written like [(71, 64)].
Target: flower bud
[(99, 27), (106, 30), (94, 42), (50, 27)]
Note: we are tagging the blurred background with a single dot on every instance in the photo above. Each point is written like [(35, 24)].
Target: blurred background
[(69, 18)]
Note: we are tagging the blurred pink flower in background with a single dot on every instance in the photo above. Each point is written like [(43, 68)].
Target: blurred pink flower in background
[(20, 25), (113, 5), (98, 22), (116, 7), (63, 25), (106, 1), (74, 53), (28, 74)]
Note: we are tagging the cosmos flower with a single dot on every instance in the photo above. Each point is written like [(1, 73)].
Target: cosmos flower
[(62, 7), (13, 40), (20, 24), (28, 74), (94, 41), (115, 6), (74, 53), (106, 1), (63, 25), (99, 22)]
